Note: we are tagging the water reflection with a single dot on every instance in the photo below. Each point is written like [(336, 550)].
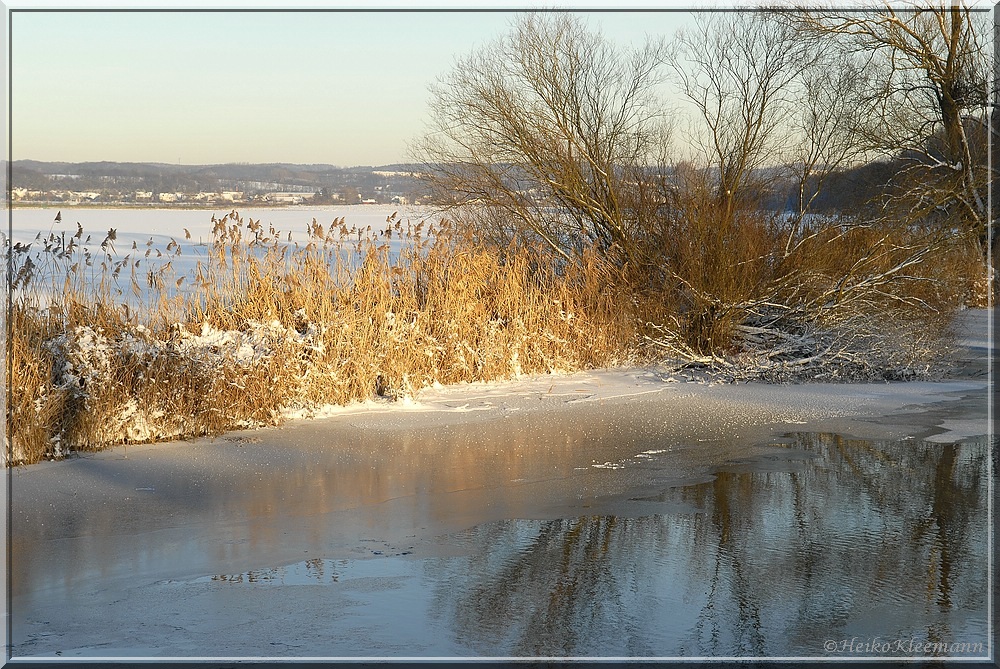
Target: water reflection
[(818, 538), (880, 540)]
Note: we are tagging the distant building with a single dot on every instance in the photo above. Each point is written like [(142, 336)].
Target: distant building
[(388, 173), (288, 198)]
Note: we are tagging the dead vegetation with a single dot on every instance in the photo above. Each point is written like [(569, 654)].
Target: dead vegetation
[(272, 325)]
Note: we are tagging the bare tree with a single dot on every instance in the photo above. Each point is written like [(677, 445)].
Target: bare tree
[(741, 72), (745, 74), (551, 134), (826, 137), (791, 294), (923, 99)]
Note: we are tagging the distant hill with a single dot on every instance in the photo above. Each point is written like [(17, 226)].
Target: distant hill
[(315, 173), (117, 181)]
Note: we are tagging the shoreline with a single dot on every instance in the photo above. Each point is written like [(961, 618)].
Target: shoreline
[(819, 402), (712, 424), (760, 407)]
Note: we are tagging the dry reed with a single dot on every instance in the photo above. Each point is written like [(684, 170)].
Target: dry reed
[(270, 325), (263, 326)]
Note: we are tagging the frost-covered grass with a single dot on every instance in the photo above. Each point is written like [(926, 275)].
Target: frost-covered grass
[(111, 349)]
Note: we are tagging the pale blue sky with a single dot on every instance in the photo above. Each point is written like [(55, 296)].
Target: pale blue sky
[(346, 88)]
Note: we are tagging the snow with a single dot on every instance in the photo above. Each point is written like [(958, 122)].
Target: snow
[(746, 405)]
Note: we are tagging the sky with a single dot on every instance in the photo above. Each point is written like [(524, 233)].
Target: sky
[(337, 87)]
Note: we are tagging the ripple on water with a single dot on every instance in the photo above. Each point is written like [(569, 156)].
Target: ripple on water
[(825, 537)]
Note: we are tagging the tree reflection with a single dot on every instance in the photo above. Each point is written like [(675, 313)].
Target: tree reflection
[(543, 584), (864, 538)]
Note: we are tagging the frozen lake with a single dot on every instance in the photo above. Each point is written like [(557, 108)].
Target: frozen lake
[(163, 224), (165, 227)]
